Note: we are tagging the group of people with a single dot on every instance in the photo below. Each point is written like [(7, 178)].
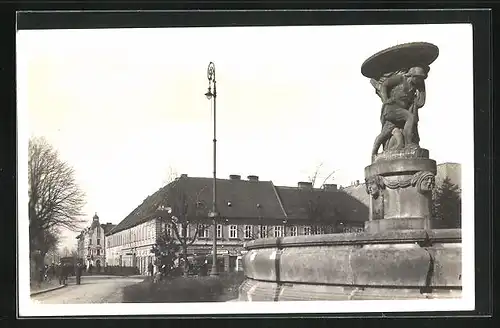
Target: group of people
[(53, 271), (61, 271), (175, 266)]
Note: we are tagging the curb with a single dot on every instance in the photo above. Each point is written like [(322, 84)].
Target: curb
[(47, 290), (107, 277)]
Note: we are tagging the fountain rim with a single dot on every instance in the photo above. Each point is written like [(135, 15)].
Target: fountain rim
[(360, 238)]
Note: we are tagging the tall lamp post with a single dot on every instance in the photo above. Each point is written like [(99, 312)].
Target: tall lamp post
[(213, 214)]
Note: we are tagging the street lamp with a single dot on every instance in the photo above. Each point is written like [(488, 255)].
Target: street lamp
[(213, 214)]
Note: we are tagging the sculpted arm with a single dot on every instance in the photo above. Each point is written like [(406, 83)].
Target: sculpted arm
[(420, 101), (387, 85)]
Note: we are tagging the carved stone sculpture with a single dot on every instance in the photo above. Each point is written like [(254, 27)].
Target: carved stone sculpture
[(398, 75), (401, 177)]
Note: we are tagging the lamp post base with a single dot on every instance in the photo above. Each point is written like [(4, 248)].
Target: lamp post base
[(214, 271)]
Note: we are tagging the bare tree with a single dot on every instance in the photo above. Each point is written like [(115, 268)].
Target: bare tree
[(179, 209), (316, 175), (171, 175), (316, 206), (48, 241), (55, 199)]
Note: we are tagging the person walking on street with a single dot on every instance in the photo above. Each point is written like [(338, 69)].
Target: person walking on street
[(59, 273), (78, 273), (150, 269)]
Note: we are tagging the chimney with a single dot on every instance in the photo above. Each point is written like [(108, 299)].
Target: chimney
[(305, 185), (253, 178), (330, 187), (184, 175), (235, 177)]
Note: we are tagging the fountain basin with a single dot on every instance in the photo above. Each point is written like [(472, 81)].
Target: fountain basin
[(404, 264)]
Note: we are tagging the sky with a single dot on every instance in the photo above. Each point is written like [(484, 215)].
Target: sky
[(125, 106)]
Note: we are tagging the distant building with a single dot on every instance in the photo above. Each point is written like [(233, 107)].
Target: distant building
[(90, 243), (453, 171), (358, 191), (248, 209)]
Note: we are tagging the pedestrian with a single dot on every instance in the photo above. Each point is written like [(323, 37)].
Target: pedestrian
[(64, 274), (90, 268), (59, 273), (52, 272), (78, 273), (150, 269)]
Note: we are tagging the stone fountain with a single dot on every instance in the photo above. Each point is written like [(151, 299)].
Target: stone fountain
[(401, 254)]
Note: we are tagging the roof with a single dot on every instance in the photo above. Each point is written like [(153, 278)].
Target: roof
[(107, 227), (247, 199), (239, 199), (333, 204), (358, 191)]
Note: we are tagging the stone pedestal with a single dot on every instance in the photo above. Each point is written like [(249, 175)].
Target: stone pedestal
[(400, 183)]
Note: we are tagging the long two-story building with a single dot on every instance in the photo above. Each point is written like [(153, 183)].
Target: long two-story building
[(248, 209)]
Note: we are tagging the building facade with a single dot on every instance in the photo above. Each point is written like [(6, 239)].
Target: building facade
[(248, 209), (91, 246), (452, 171)]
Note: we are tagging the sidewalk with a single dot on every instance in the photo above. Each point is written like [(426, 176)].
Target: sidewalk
[(45, 287), (102, 276)]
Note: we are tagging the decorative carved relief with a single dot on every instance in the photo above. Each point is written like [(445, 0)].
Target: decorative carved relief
[(423, 180), (374, 185)]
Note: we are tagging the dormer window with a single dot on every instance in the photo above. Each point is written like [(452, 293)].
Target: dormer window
[(229, 204)]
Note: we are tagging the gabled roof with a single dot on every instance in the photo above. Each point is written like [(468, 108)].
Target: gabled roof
[(358, 191), (335, 204), (235, 199), (107, 227), (239, 199)]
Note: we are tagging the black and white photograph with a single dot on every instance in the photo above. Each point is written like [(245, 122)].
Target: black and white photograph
[(245, 169)]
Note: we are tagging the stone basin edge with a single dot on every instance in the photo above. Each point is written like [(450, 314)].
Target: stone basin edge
[(360, 238)]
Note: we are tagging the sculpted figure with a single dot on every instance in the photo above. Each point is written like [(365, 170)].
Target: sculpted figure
[(402, 94), (426, 182), (374, 186)]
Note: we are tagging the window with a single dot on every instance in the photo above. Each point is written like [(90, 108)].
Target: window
[(320, 230), (168, 230), (98, 241), (181, 229), (248, 232), (307, 230), (278, 231), (98, 252), (293, 231), (203, 231), (90, 241), (219, 231), (233, 231), (263, 232), (109, 242)]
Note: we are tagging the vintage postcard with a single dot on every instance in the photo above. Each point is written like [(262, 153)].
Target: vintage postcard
[(285, 169)]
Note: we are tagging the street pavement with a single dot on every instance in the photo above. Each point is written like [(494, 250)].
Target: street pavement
[(93, 289)]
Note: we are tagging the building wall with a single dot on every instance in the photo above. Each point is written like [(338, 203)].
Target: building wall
[(132, 247), (451, 170)]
